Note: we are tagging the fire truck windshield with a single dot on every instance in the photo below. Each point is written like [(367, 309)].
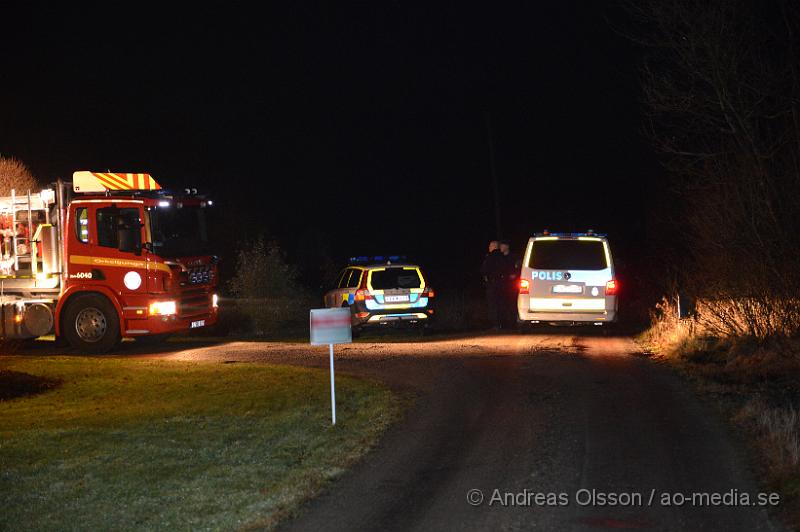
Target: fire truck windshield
[(178, 231)]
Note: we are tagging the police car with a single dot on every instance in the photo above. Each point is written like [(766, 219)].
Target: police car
[(382, 291), (567, 278)]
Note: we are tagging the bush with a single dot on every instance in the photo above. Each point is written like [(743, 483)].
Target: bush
[(15, 174), (264, 316), (666, 328), (262, 272), (452, 311), (267, 296), (760, 319)]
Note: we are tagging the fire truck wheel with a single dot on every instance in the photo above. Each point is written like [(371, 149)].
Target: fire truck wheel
[(91, 324), (61, 341)]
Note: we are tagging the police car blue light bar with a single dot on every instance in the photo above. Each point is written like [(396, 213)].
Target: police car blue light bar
[(364, 259)]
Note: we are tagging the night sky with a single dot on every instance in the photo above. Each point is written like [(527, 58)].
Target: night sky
[(360, 129)]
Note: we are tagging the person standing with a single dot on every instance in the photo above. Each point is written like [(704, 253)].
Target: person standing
[(494, 271), (510, 288)]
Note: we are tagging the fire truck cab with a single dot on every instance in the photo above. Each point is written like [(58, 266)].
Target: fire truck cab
[(119, 257)]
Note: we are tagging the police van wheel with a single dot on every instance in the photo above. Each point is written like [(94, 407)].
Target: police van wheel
[(525, 327), (609, 328), (91, 324)]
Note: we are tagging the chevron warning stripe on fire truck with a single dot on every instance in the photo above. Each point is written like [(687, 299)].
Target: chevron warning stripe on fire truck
[(103, 181)]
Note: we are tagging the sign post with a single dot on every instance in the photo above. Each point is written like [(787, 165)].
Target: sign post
[(331, 326)]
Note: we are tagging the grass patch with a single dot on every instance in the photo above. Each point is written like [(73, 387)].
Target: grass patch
[(777, 432), (124, 444)]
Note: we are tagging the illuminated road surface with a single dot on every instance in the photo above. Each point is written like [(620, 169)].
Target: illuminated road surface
[(604, 436)]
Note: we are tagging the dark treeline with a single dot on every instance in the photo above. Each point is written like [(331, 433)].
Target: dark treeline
[(721, 89)]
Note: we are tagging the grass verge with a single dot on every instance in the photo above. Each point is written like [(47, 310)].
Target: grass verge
[(123, 444)]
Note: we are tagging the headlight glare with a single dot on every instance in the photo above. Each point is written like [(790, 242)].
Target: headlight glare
[(163, 308)]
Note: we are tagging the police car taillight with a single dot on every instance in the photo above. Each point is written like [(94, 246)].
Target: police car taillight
[(524, 286), (428, 292), (612, 287), (362, 295)]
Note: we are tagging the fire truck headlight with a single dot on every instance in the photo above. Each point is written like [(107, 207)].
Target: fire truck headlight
[(163, 308), (215, 301)]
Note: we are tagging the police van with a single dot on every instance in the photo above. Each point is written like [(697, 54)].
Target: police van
[(381, 291), (567, 278)]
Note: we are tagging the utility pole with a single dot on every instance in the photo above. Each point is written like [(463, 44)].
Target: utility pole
[(495, 188)]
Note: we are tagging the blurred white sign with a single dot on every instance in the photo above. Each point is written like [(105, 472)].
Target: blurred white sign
[(330, 326)]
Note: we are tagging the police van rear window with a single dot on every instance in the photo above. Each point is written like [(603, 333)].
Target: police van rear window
[(568, 255), (391, 278)]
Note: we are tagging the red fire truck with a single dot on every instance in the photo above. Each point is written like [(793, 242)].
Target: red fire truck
[(117, 256)]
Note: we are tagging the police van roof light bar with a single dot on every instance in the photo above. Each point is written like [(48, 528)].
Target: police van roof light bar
[(571, 235)]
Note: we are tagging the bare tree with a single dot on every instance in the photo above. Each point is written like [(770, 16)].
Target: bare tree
[(721, 88), (15, 174)]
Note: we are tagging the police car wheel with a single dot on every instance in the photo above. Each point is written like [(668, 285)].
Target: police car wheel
[(91, 324)]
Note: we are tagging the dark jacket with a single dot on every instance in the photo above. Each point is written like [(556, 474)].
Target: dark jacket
[(495, 267)]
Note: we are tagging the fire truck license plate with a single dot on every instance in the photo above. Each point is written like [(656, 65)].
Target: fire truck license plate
[(198, 323)]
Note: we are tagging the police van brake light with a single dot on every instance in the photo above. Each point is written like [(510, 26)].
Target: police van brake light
[(524, 286), (612, 287)]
